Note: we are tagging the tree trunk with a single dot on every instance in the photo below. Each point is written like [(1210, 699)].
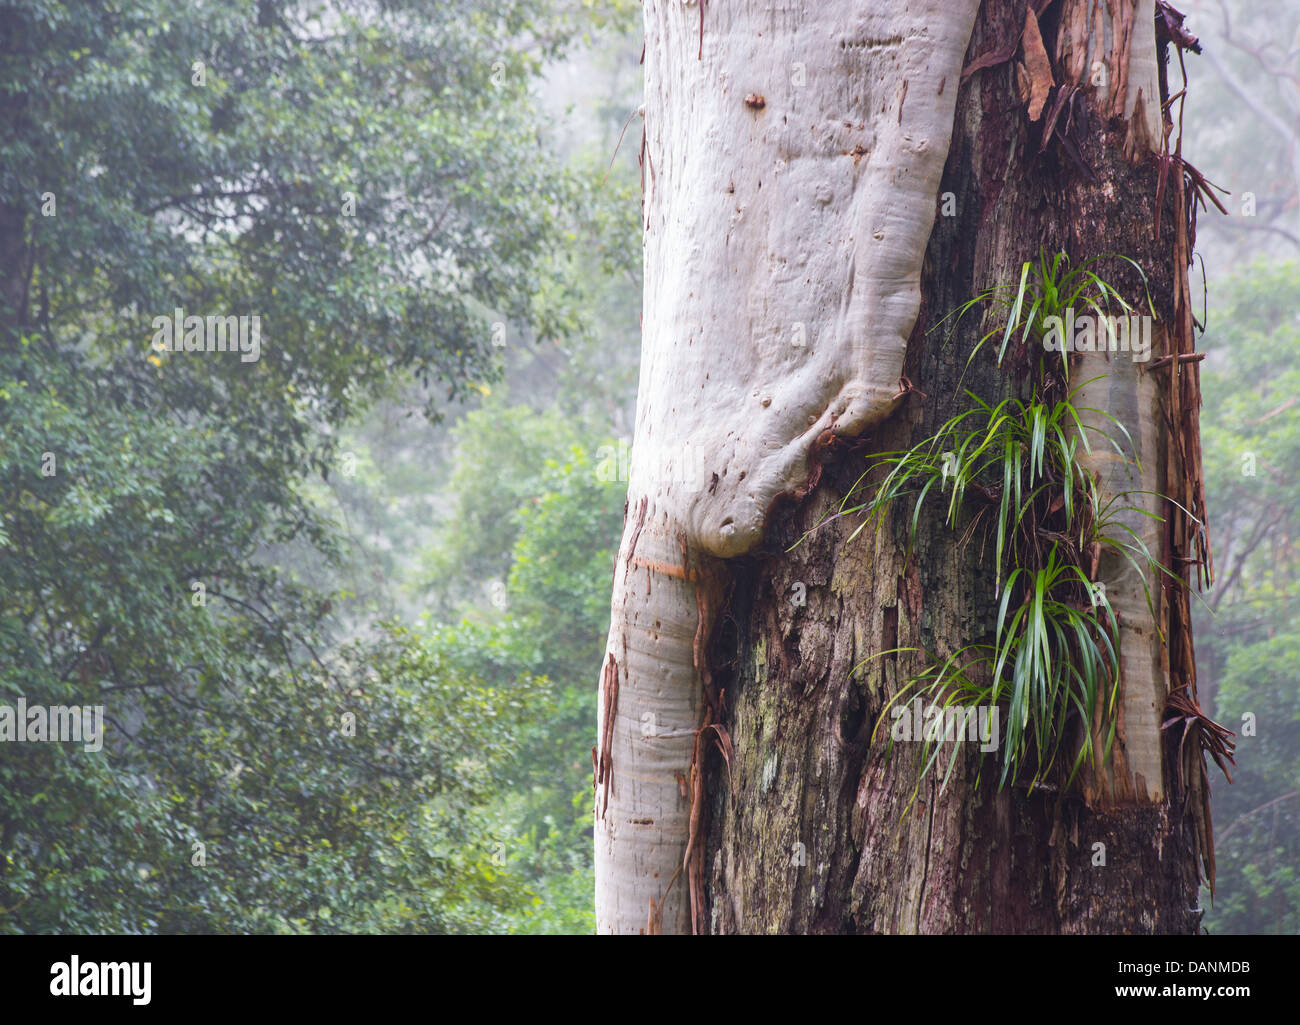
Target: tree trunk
[(791, 301)]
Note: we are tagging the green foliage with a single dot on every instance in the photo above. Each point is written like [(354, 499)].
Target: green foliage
[(1053, 655), (368, 181), (224, 720), (319, 178), (1248, 638), (499, 460), (558, 583), (1053, 664), (1045, 291), (1258, 839), (563, 527)]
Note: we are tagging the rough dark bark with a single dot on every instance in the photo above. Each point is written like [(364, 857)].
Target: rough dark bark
[(800, 718)]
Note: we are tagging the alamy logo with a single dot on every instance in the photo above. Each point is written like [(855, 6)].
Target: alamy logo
[(952, 724), (1096, 333), (76, 724), (675, 465), (179, 333), (102, 979)]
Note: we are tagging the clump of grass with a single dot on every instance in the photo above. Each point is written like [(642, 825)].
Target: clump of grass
[(1046, 289), (1015, 468)]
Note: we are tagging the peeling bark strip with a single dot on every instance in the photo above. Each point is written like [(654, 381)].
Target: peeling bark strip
[(609, 708), (708, 600), (1121, 77), (1038, 67), (781, 286), (1187, 538)]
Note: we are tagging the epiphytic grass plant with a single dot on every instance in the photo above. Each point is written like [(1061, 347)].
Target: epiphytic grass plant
[(1015, 470), (1046, 290), (1054, 659)]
